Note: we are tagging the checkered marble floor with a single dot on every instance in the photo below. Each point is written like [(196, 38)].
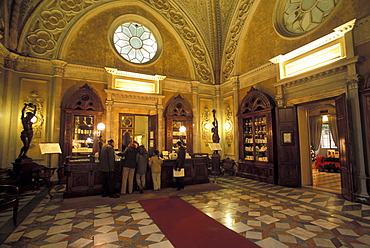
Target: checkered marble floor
[(326, 181), (269, 215)]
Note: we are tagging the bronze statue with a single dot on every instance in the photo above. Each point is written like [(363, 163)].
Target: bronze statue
[(215, 137), (27, 133)]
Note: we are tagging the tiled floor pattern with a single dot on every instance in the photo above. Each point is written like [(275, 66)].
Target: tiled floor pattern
[(269, 215), (327, 181), (23, 201)]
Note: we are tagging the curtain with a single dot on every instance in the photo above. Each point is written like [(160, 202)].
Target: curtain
[(315, 131), (333, 128)]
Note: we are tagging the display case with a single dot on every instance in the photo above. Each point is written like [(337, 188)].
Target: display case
[(256, 125), (255, 138), (179, 120), (83, 135)]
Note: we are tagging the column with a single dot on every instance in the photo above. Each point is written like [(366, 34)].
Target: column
[(160, 126), (54, 112), (358, 151), (195, 108), (236, 85)]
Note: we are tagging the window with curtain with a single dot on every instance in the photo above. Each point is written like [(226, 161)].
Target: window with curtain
[(327, 141)]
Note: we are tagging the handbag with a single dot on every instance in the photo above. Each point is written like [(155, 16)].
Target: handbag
[(180, 173)]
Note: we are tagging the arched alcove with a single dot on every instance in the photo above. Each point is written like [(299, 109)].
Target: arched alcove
[(178, 114)]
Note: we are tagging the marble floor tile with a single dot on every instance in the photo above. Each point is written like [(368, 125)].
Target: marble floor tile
[(149, 229), (269, 215), (104, 238)]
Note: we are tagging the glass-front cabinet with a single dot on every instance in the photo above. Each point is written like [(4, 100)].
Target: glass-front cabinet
[(83, 135), (178, 132), (255, 138), (256, 150), (179, 119)]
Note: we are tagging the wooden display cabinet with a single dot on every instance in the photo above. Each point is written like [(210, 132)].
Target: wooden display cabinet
[(256, 125), (256, 135), (82, 113), (175, 134), (178, 114)]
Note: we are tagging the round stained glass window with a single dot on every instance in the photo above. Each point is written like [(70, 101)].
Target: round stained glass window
[(296, 17), (135, 43)]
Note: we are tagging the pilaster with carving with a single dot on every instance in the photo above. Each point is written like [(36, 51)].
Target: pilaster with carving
[(34, 98), (280, 96), (108, 126), (206, 126)]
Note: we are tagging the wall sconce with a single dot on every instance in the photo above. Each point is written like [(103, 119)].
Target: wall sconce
[(207, 126), (182, 129), (101, 127), (227, 126), (34, 119)]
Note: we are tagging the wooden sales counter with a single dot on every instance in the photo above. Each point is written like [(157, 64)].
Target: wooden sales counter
[(84, 179)]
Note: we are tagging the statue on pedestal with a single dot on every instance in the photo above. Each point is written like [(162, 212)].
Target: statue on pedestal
[(27, 133), (215, 137)]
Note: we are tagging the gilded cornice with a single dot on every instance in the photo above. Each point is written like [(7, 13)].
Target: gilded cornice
[(316, 77), (133, 97), (52, 20)]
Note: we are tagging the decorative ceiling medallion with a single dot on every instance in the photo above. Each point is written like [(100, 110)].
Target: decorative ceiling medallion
[(297, 17)]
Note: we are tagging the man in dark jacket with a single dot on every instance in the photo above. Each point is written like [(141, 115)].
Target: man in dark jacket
[(106, 166), (129, 167), (180, 164)]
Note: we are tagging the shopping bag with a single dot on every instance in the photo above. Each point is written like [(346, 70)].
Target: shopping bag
[(180, 173)]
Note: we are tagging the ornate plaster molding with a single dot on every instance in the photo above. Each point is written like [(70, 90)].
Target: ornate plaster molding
[(54, 18), (316, 77), (232, 43), (119, 96)]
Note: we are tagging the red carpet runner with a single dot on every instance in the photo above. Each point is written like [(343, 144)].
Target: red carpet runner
[(185, 226)]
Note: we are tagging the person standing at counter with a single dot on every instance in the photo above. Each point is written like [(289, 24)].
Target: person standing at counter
[(142, 159), (179, 165), (106, 166), (155, 164), (129, 166)]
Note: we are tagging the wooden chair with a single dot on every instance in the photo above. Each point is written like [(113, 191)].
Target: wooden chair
[(228, 165), (42, 175), (9, 198)]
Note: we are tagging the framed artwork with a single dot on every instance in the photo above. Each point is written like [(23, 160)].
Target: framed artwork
[(287, 137)]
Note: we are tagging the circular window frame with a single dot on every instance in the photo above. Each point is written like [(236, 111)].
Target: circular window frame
[(142, 21), (282, 31)]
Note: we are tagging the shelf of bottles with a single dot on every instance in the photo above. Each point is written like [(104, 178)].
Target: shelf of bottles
[(178, 134), (83, 135), (255, 139)]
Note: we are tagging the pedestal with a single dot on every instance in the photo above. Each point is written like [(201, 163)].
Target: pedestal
[(23, 168), (216, 163)]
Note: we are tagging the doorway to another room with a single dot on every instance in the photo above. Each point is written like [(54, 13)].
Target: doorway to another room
[(133, 128), (323, 142)]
